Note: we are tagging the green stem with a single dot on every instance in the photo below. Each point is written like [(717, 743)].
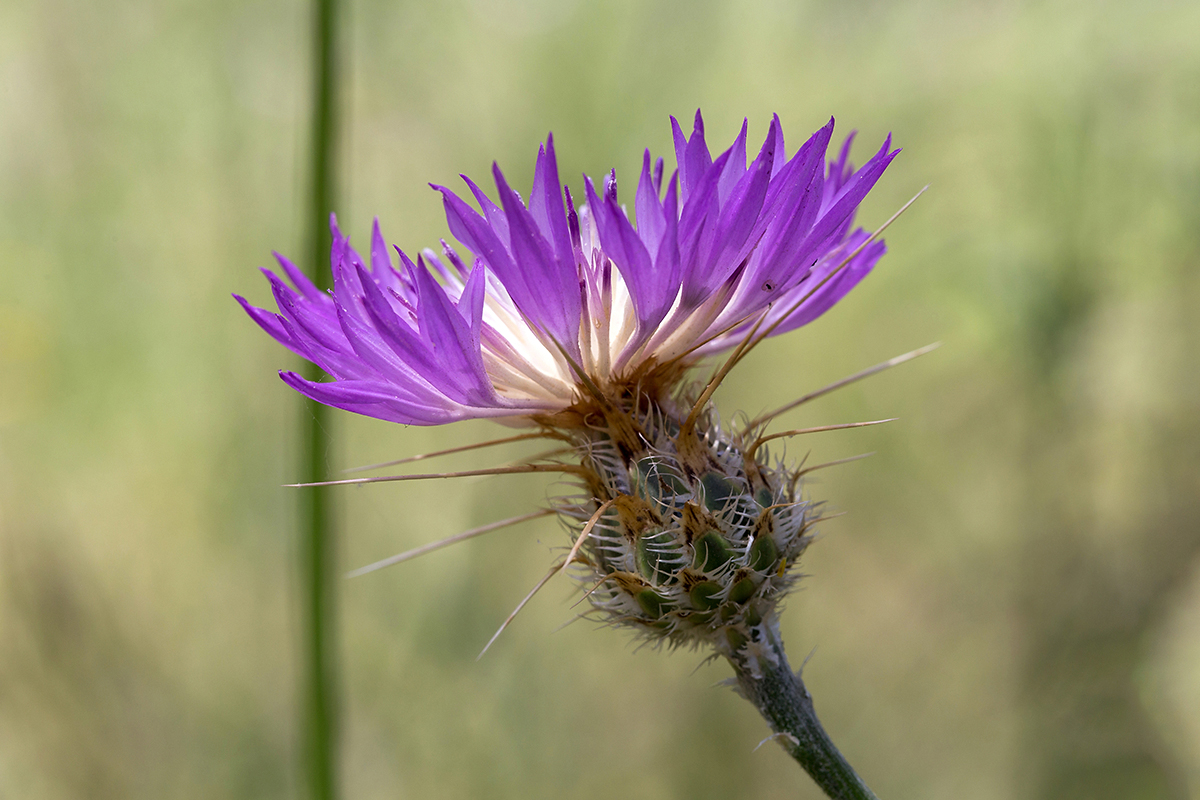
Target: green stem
[(316, 566), (317, 550), (787, 706)]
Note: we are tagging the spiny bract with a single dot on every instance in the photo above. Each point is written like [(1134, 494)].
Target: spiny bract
[(691, 550)]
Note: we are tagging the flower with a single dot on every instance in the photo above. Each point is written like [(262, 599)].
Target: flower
[(584, 321), (540, 311)]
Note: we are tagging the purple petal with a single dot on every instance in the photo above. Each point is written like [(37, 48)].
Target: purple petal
[(828, 294), (473, 231), (622, 244), (381, 262), (548, 290), (375, 353), (271, 323), (666, 260), (340, 362), (735, 166), (300, 280), (648, 210), (691, 155), (775, 133), (697, 232), (546, 202), (739, 217), (840, 170), (379, 400), (847, 201), (491, 212), (799, 203), (452, 342), (470, 302), (394, 332), (319, 324)]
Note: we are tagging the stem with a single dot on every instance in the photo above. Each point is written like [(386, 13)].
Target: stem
[(787, 706), (317, 551), (317, 567)]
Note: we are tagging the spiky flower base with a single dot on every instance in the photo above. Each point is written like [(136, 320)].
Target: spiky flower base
[(689, 536), (692, 544)]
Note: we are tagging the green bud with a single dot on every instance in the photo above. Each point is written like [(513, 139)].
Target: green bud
[(753, 616), (763, 554), (764, 497), (712, 551), (743, 590), (717, 490), (651, 602), (703, 595), (658, 556), (659, 482)]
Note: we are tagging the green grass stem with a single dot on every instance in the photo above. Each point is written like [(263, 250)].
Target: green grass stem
[(317, 529)]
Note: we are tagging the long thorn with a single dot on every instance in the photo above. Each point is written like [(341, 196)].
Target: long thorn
[(750, 340), (544, 455), (719, 376), (760, 441), (853, 254), (586, 532), (707, 660), (858, 376), (471, 473), (711, 337), (589, 592), (463, 449), (408, 555), (546, 579), (815, 467), (845, 261), (572, 621)]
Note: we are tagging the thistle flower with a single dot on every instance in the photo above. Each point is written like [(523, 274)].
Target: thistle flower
[(583, 321)]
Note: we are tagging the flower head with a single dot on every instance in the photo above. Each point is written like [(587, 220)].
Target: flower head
[(558, 296), (583, 320)]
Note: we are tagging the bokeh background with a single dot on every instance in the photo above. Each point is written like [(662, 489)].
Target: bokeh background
[(1011, 609)]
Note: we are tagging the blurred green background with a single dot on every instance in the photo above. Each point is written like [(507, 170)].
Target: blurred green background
[(1010, 610)]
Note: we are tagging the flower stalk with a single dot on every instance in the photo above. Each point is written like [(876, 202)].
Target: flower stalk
[(785, 703)]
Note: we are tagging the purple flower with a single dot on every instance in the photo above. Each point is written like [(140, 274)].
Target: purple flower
[(555, 289)]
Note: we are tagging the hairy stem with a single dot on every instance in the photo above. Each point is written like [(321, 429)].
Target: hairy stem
[(787, 706)]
